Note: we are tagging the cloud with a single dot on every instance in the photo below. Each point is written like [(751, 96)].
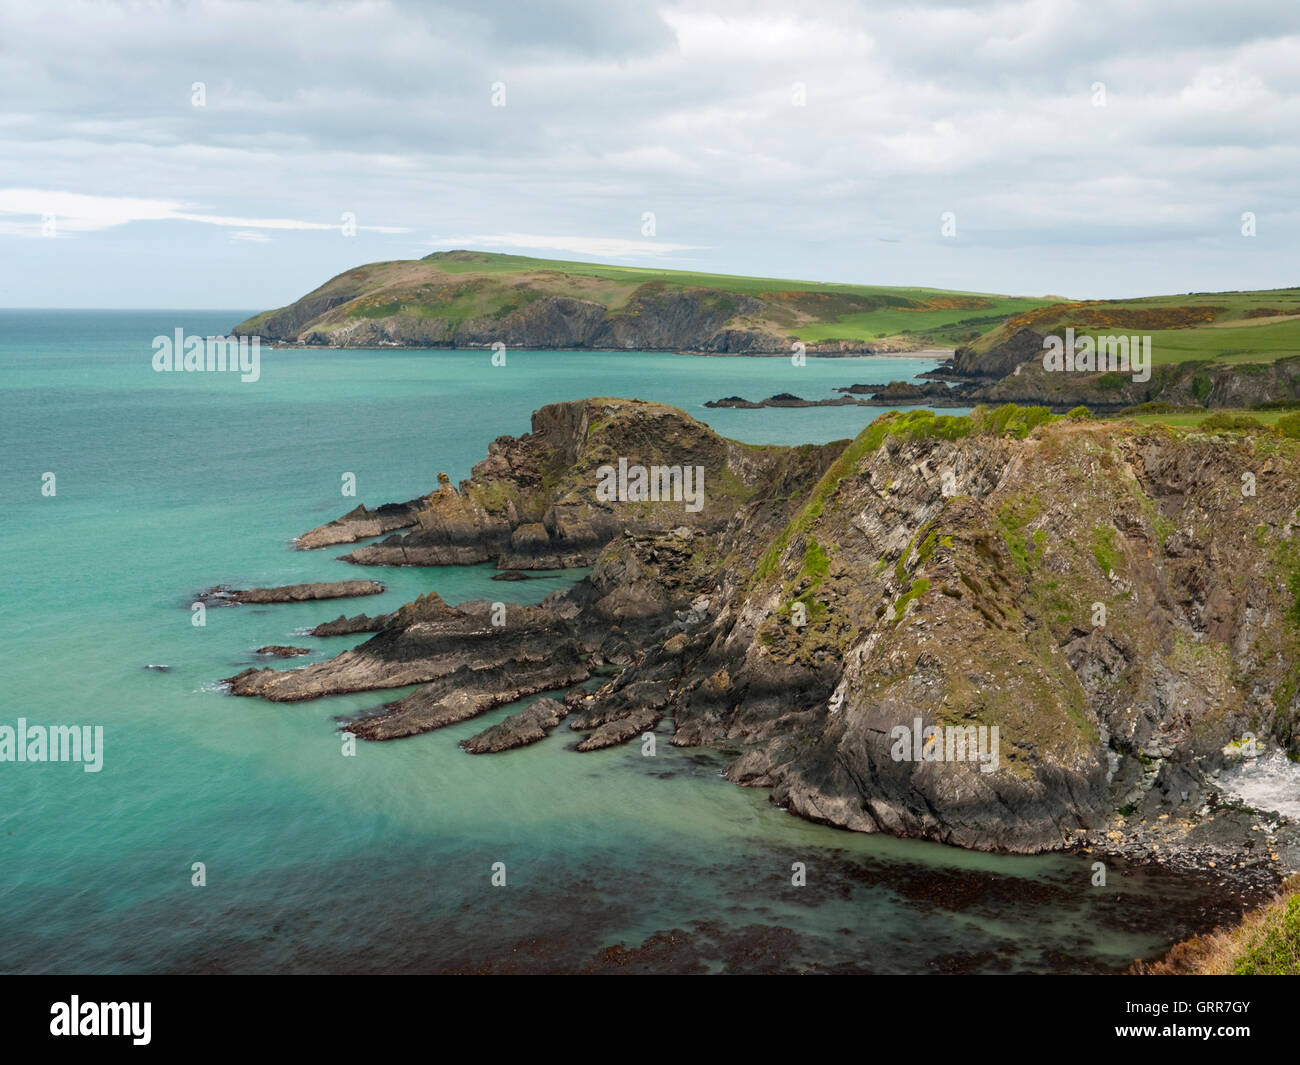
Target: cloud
[(610, 247), (767, 137), (84, 213)]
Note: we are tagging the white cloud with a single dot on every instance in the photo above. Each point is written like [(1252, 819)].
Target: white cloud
[(681, 107), (83, 213), (611, 247)]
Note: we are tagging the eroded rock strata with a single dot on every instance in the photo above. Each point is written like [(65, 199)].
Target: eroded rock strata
[(535, 722), (1105, 595)]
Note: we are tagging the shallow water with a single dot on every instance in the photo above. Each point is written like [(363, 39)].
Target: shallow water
[(170, 483)]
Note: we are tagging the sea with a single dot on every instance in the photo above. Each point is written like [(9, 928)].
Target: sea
[(235, 835)]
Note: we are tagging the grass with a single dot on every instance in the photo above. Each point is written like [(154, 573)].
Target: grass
[(1104, 549), (919, 588), (1012, 518), (1238, 342), (1227, 327), (1265, 943), (937, 325), (1193, 419)]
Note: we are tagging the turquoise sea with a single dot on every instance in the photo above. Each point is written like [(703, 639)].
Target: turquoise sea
[(169, 483)]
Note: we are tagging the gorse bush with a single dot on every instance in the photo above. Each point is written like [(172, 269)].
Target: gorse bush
[(1289, 426), (1221, 420)]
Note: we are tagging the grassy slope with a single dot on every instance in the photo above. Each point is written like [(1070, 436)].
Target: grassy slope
[(1230, 327), (1189, 419), (460, 285), (1265, 943)]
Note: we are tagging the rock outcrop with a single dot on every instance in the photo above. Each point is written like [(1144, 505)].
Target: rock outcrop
[(1012, 371), (348, 626), (1001, 632), (290, 593), (360, 524), (535, 722), (536, 502)]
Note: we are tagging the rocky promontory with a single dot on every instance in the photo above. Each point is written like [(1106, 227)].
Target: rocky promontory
[(1005, 631), (536, 501)]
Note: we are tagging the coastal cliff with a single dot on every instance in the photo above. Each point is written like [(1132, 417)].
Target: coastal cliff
[(1105, 595), (467, 299)]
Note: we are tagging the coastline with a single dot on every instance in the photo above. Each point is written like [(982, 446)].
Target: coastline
[(937, 354)]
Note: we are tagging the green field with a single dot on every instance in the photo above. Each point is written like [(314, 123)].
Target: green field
[(1245, 341), (1231, 327)]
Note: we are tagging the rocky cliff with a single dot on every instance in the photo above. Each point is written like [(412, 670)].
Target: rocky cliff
[(464, 299), (1120, 604), (1012, 371)]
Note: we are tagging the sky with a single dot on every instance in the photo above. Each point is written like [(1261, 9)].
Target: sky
[(231, 154)]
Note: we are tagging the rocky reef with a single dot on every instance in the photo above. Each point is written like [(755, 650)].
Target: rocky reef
[(1006, 632)]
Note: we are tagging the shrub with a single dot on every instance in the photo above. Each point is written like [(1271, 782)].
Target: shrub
[(1289, 426), (1223, 421)]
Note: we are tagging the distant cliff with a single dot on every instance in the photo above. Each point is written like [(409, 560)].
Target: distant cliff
[(475, 299)]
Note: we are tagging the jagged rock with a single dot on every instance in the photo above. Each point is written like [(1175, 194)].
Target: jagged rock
[(360, 523), (348, 626), (469, 692), (535, 722), (621, 729), (533, 502), (279, 650)]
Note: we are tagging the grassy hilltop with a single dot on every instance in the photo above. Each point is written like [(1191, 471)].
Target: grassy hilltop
[(467, 298), (1215, 349)]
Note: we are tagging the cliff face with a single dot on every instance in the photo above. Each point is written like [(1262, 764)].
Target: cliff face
[(535, 502), (1107, 597), (1104, 596), (1012, 372), (472, 299)]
